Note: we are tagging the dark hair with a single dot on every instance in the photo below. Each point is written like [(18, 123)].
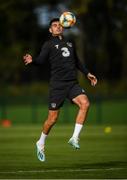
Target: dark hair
[(53, 20)]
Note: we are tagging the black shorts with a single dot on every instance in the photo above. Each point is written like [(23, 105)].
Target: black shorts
[(60, 90)]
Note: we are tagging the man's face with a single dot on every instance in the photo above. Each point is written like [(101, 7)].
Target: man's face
[(56, 29)]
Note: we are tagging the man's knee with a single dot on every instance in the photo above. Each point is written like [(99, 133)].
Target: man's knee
[(84, 103)]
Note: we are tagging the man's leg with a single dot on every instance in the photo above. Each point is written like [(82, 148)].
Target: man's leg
[(83, 104), (51, 120)]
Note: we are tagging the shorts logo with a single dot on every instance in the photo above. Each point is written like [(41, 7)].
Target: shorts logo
[(53, 105)]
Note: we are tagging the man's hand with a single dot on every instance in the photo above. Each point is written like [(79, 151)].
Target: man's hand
[(27, 59), (92, 78)]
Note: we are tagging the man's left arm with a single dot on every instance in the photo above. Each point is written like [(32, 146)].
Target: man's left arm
[(85, 71)]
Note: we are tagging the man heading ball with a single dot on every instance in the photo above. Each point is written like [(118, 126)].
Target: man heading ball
[(64, 63)]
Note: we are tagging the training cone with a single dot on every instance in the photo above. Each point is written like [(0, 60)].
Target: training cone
[(6, 123)]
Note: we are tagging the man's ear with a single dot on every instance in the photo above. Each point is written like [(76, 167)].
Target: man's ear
[(50, 30)]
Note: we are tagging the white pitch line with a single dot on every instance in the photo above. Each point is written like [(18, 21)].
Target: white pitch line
[(60, 170)]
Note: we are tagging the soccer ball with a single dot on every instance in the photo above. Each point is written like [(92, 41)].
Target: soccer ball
[(67, 19)]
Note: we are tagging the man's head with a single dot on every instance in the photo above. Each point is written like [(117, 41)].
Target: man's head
[(55, 28)]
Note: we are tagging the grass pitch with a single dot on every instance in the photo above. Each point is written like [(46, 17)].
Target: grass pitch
[(102, 155)]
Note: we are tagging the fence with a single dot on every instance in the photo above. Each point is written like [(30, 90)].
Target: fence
[(29, 109)]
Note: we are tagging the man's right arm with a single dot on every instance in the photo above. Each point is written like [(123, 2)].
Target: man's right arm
[(28, 59)]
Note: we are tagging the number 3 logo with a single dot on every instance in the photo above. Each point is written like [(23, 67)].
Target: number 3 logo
[(65, 51)]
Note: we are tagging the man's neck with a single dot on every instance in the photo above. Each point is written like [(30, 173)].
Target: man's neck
[(59, 36)]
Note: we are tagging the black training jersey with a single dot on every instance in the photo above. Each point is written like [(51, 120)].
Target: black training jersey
[(62, 57)]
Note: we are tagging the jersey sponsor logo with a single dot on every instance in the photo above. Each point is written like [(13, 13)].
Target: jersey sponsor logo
[(69, 44), (65, 52), (53, 105), (57, 46)]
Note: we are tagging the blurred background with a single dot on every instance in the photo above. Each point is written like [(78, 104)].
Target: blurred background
[(101, 40)]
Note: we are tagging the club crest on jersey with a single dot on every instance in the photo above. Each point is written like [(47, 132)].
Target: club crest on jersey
[(83, 91), (53, 105), (69, 44), (57, 46)]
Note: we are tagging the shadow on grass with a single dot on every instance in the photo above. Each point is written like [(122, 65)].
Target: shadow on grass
[(110, 164)]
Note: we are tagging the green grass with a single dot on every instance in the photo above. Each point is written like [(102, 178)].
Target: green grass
[(101, 155)]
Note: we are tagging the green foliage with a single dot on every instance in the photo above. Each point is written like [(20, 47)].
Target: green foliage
[(23, 89), (103, 88), (101, 42)]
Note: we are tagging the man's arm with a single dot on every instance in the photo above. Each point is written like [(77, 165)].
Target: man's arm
[(81, 67), (40, 59), (85, 71)]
